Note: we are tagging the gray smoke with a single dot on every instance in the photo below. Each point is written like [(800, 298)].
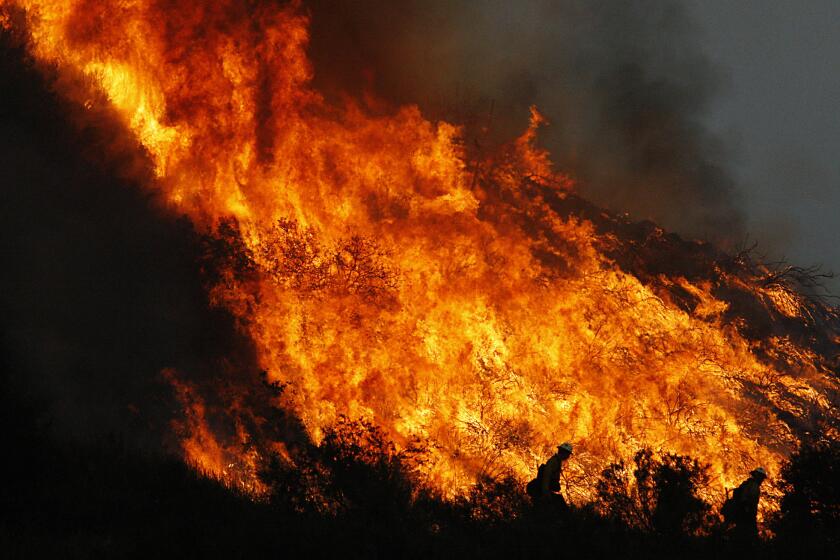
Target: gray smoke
[(624, 84)]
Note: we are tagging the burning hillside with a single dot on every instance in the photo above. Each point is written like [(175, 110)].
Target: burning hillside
[(386, 271)]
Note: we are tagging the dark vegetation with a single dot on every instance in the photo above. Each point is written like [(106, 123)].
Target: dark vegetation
[(354, 496)]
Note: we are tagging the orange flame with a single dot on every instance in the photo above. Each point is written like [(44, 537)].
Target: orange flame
[(395, 285)]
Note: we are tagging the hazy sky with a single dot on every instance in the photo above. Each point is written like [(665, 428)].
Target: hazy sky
[(780, 103)]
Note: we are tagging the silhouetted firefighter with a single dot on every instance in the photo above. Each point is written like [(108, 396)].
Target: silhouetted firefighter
[(545, 487), (741, 508)]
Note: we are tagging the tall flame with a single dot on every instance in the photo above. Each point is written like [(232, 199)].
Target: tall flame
[(397, 283)]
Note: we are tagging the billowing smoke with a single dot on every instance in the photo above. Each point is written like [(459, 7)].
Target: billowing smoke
[(624, 84)]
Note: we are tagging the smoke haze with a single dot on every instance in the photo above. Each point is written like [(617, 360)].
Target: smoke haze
[(625, 86)]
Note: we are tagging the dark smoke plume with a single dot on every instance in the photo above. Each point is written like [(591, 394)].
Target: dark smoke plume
[(624, 84)]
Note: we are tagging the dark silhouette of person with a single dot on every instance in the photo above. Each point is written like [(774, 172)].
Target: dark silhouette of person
[(741, 509), (545, 488)]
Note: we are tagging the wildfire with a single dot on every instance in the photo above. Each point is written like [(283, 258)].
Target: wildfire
[(390, 280)]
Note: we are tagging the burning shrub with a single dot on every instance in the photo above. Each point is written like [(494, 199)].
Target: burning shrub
[(660, 494), (293, 257)]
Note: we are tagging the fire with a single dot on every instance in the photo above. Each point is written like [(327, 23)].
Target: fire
[(393, 281)]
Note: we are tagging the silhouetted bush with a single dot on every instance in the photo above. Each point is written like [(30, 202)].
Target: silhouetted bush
[(659, 494), (367, 471), (808, 520), (495, 502)]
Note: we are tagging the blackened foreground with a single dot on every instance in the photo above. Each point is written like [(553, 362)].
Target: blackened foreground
[(101, 499)]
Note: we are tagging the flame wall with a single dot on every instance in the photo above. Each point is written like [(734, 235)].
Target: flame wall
[(393, 278)]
